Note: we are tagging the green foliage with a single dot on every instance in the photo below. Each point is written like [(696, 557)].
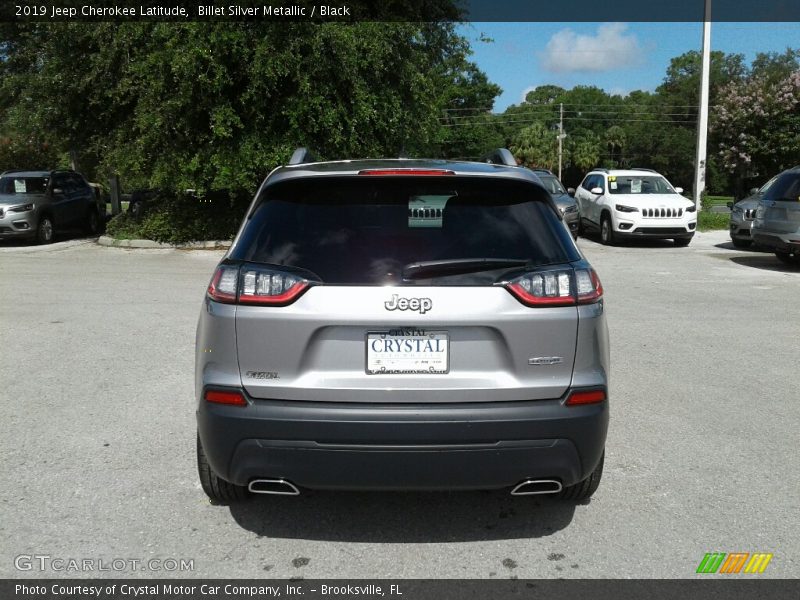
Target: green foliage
[(182, 218), (218, 105), (19, 153), (708, 221), (535, 146)]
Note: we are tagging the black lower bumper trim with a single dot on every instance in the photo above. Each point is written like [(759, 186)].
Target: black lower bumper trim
[(393, 447)]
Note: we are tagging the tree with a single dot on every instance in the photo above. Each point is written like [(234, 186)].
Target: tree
[(535, 146), (615, 140), (585, 152), (758, 125), (217, 105), (544, 94)]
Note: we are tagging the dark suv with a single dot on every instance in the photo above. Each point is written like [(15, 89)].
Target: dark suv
[(402, 324), (34, 204)]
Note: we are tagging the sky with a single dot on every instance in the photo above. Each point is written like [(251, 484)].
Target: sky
[(618, 57)]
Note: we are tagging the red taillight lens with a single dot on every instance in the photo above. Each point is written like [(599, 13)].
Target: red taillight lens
[(413, 172), (557, 288), (586, 397), (229, 398), (255, 285)]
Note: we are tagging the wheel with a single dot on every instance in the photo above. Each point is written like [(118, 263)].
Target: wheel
[(93, 222), (739, 243), (216, 488), (789, 259), (606, 231), (584, 489), (45, 230), (682, 242)]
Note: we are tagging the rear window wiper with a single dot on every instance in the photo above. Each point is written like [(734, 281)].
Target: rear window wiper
[(457, 266)]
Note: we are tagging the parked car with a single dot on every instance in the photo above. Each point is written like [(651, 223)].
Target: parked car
[(635, 203), (742, 214), (564, 199), (777, 222), (345, 343), (37, 204)]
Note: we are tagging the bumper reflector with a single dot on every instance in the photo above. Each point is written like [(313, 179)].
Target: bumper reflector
[(586, 397), (229, 398)]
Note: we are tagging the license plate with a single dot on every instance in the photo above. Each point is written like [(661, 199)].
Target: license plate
[(403, 351)]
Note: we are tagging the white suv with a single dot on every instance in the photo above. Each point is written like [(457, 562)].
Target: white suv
[(635, 203)]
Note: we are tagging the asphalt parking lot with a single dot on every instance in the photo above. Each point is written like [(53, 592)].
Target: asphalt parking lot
[(97, 435)]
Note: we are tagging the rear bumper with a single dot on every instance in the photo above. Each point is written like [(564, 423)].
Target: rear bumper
[(322, 445)]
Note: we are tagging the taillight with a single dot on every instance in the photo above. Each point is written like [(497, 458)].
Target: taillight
[(586, 397), (588, 286), (266, 286), (413, 172), (225, 397), (255, 285), (561, 287), (223, 284)]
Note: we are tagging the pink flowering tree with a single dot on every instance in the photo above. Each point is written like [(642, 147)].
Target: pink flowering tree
[(757, 125)]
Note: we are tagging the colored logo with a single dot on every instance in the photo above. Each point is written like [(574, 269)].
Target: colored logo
[(734, 562)]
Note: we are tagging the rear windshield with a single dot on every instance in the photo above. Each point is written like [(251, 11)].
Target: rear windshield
[(23, 185), (785, 189), (365, 230)]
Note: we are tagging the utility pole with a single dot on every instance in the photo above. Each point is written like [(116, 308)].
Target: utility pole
[(702, 121), (561, 136)]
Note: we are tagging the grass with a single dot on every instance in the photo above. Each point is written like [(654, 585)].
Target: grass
[(708, 221), (124, 204), (718, 200)]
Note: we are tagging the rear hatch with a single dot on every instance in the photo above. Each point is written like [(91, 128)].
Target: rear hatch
[(437, 289)]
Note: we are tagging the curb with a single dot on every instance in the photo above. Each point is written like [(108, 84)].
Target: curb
[(105, 240)]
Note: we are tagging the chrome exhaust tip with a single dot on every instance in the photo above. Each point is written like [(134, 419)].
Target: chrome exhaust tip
[(278, 487), (531, 487)]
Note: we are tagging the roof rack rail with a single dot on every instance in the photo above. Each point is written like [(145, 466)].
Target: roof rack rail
[(601, 169), (643, 169), (500, 156), (302, 156), (541, 170)]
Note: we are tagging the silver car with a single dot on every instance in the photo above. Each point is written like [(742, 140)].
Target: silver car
[(564, 199), (402, 324), (777, 222), (742, 214), (37, 204)]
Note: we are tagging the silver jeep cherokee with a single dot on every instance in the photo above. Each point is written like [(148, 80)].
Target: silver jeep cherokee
[(402, 324)]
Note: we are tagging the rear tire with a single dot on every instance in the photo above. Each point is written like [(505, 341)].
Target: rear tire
[(788, 259), (92, 222), (584, 489), (45, 231), (606, 231), (216, 488), (741, 243), (682, 242)]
